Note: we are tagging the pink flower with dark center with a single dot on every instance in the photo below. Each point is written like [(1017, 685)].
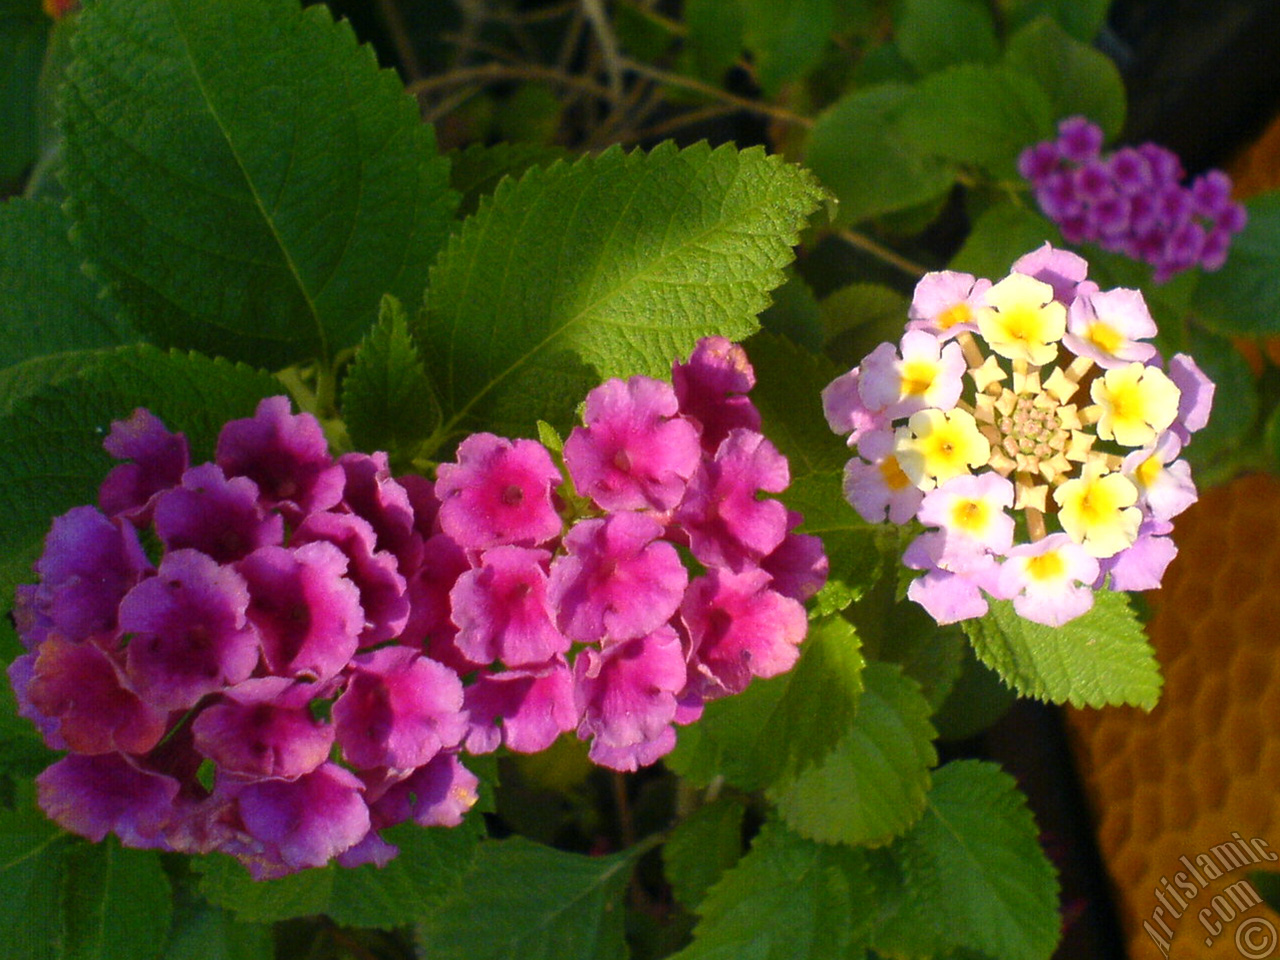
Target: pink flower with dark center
[(712, 388), (292, 824), (159, 460), (498, 492), (502, 611), (263, 728), (728, 524), (219, 517), (190, 635), (524, 709), (384, 595), (626, 695), (94, 796), (287, 456), (739, 628), (616, 580), (438, 794), (88, 565), (80, 687), (635, 452), (399, 710), (305, 609)]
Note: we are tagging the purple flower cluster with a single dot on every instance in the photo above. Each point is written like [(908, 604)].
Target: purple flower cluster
[(278, 654), (255, 688), (1031, 431), (570, 604), (1132, 201)]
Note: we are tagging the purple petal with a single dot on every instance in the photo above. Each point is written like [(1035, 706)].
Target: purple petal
[(524, 709), (502, 610), (159, 459), (264, 728), (712, 389), (94, 796), (217, 516), (498, 492)]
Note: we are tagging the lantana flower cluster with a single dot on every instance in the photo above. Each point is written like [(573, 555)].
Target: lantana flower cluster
[(1133, 200), (1032, 431), (279, 654)]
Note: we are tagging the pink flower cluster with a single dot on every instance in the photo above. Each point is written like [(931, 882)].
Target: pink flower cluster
[(1031, 432), (278, 654), (1132, 201)]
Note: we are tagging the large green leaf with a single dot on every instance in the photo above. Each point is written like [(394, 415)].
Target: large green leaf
[(1243, 298), (788, 899), (973, 875), (249, 181), (1078, 78), (859, 150), (612, 266), (778, 727), (933, 34), (1098, 659), (785, 39), (429, 865), (24, 31), (32, 873), (702, 847), (47, 303), (977, 115), (205, 932), (872, 785), (118, 903), (531, 902), (1082, 19)]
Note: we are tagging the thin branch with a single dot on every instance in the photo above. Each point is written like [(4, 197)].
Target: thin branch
[(595, 13), (881, 252), (394, 24), (488, 73), (715, 93)]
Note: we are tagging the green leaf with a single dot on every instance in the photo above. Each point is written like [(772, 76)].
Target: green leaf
[(714, 38), (702, 847), (977, 115), (973, 874), (859, 151), (47, 303), (387, 401), (1082, 19), (476, 171), (118, 903), (929, 654), (788, 394), (786, 39), (872, 785), (205, 932), (24, 32), (933, 34), (787, 899), (1078, 78), (423, 875), (612, 266), (1000, 235), (1243, 298), (51, 456), (977, 699), (242, 204), (32, 872), (777, 727), (794, 313), (859, 317), (526, 900), (1095, 660)]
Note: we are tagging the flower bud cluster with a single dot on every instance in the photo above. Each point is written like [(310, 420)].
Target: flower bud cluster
[(1132, 201), (1032, 431), (279, 654)]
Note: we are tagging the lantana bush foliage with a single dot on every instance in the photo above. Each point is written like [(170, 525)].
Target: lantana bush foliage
[(574, 543)]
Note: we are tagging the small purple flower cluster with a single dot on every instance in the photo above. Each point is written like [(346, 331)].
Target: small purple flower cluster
[(314, 643), (1033, 434), (1132, 200)]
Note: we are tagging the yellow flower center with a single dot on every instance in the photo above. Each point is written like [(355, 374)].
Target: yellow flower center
[(956, 313), (891, 473), (1023, 321), (938, 445), (1136, 403), (1046, 567), (971, 516), (1097, 511), (1104, 336), (918, 377)]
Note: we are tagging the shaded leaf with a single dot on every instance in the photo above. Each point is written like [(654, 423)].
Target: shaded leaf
[(118, 903), (612, 266), (24, 32), (1243, 298), (702, 847), (933, 34), (525, 900), (1079, 79), (872, 785), (240, 204), (32, 872)]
